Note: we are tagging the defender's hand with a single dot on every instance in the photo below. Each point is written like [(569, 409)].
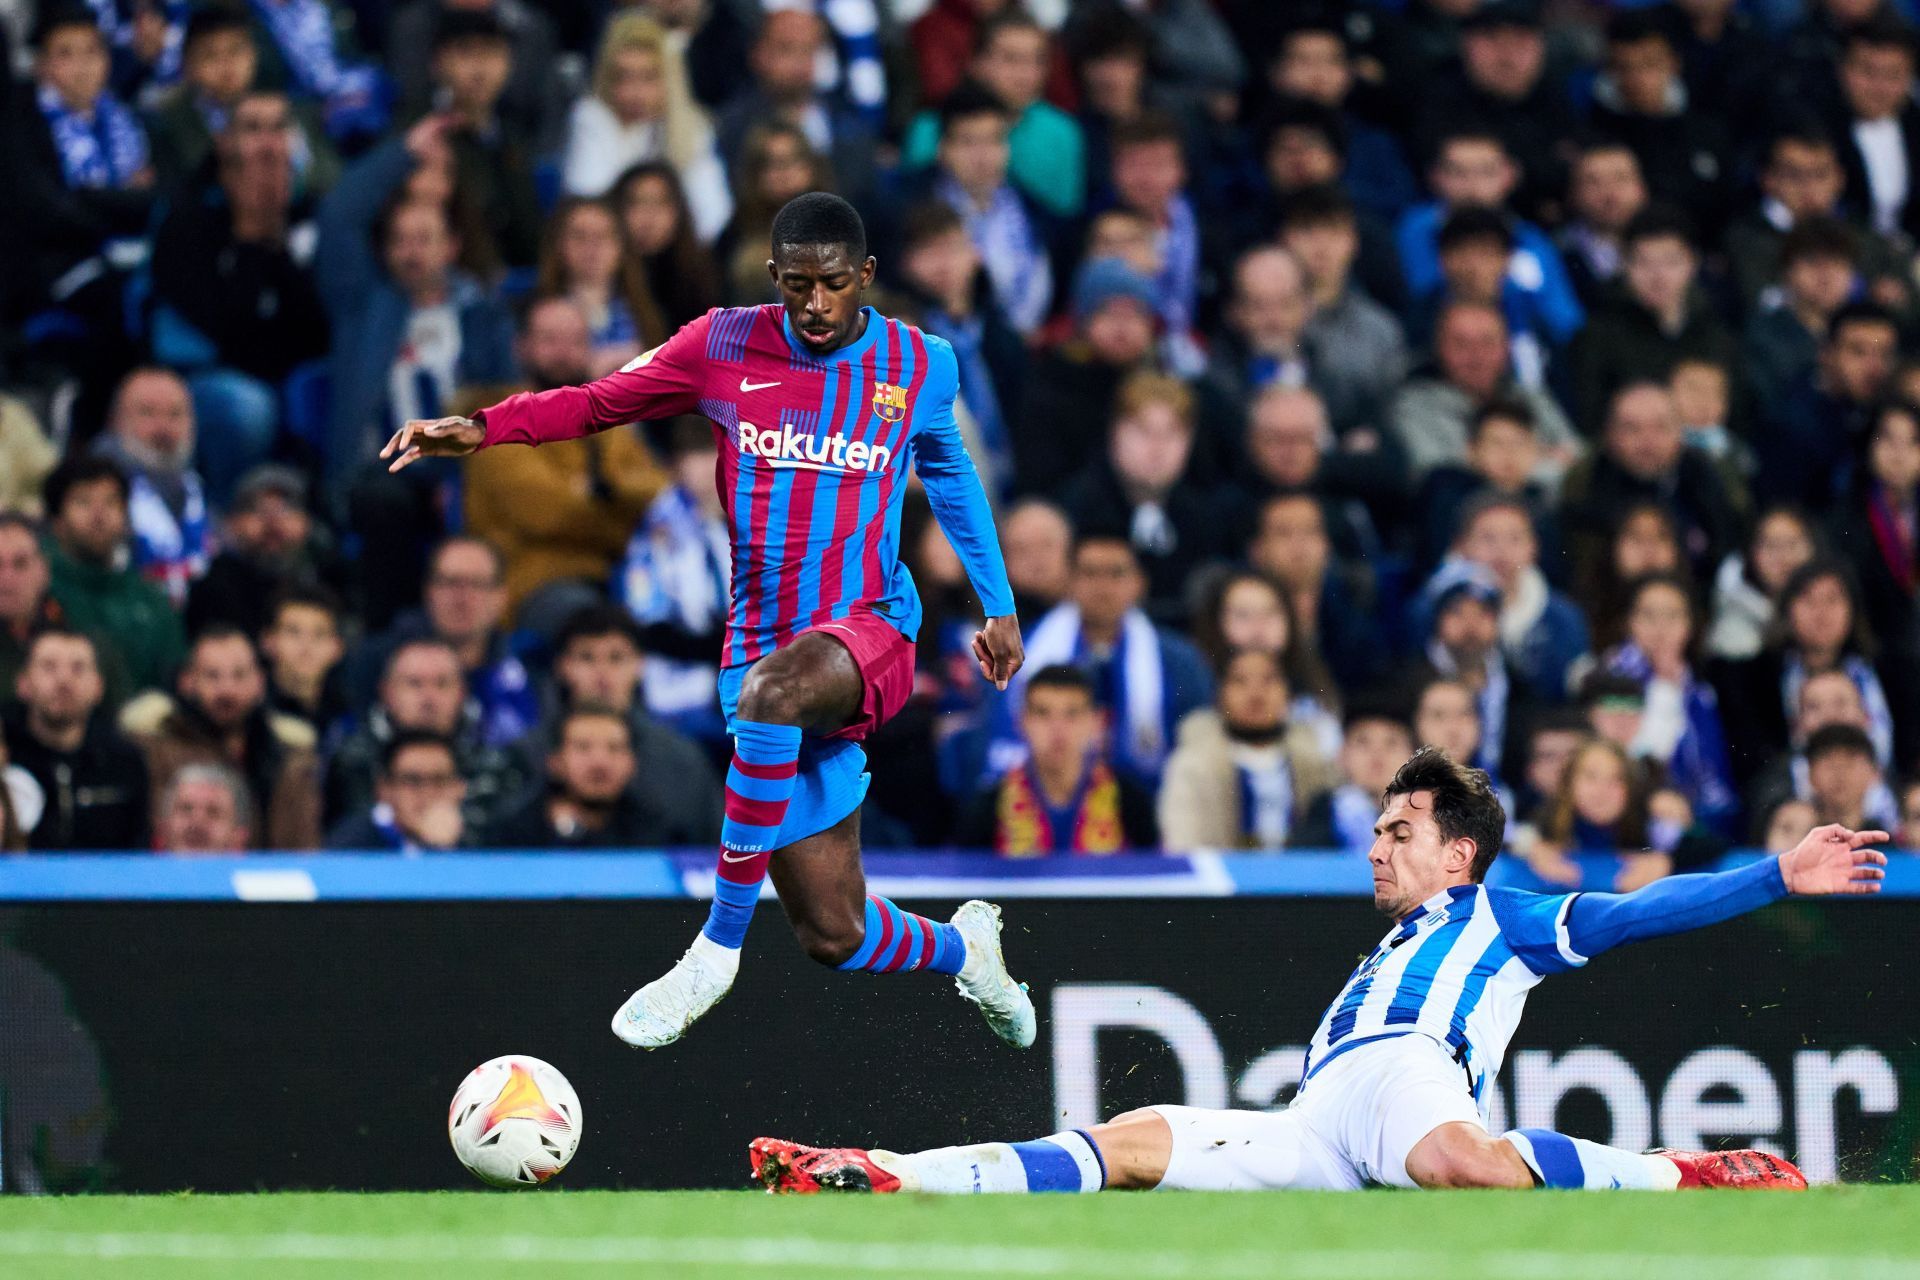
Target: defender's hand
[(997, 648), (433, 438), (1833, 859)]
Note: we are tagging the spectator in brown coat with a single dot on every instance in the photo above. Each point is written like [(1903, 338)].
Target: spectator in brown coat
[(218, 716)]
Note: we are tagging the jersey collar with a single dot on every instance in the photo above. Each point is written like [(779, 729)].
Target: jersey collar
[(852, 351)]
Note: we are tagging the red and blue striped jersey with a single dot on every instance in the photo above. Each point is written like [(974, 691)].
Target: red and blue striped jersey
[(814, 452)]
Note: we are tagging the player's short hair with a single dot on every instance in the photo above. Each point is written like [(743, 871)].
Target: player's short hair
[(593, 621), (88, 468), (1833, 739), (408, 738), (1061, 675), (1817, 238), (820, 218), (1502, 409), (1464, 804)]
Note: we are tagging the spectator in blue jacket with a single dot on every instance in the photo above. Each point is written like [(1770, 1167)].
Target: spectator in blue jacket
[(1471, 166), (1542, 632)]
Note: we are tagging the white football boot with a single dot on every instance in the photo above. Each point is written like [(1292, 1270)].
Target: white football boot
[(659, 1013), (984, 978)]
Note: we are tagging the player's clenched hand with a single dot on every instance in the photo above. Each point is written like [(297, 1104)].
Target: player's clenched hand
[(433, 438), (1833, 859), (997, 648)]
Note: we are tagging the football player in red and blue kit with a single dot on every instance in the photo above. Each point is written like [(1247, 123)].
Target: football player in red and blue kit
[(820, 405)]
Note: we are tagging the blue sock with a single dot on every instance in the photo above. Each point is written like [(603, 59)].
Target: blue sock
[(898, 942), (1576, 1164), (759, 787), (1064, 1162)]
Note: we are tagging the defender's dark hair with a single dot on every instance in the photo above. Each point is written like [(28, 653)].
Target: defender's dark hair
[(1062, 676), (1464, 804), (820, 217)]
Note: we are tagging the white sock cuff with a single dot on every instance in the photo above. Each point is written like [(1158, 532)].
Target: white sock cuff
[(1092, 1165)]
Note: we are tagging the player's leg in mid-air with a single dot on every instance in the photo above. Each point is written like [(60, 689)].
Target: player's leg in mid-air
[(792, 805)]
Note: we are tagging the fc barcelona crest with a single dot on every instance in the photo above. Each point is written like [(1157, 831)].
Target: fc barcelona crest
[(889, 401)]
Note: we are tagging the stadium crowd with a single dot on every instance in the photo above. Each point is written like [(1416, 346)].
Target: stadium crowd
[(1528, 379)]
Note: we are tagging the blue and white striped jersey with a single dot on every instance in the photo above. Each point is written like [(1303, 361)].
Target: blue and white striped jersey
[(1458, 969)]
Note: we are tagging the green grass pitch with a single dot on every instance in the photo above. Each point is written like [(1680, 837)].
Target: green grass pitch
[(1842, 1233)]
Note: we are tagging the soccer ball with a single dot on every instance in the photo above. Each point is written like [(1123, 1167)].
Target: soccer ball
[(515, 1122)]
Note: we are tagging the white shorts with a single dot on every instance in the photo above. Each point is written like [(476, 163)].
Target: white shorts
[(1353, 1124)]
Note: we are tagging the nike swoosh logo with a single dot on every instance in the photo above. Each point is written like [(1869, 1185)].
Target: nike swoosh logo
[(745, 857), (756, 386)]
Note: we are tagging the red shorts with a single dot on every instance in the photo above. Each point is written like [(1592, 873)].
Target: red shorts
[(885, 659)]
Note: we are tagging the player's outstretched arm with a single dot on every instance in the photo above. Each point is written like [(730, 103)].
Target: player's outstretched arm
[(433, 438), (1830, 860)]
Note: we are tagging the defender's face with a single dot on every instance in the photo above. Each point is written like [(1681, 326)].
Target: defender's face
[(821, 288), (1410, 861)]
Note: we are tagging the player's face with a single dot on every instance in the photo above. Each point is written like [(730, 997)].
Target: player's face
[(202, 819), (821, 287), (1411, 861)]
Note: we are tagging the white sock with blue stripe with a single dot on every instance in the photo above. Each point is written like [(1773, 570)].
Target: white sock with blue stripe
[(1574, 1163), (1061, 1162)]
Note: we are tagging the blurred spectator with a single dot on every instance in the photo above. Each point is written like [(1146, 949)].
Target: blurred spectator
[(714, 40), (219, 62), (944, 39), (419, 799), (1037, 541), (941, 270), (1503, 452), (660, 234), (1818, 627), (1841, 775), (219, 715), (1553, 735), (21, 801), (1643, 457), (1471, 366), (1680, 726), (674, 580), (1292, 449), (1463, 645), (776, 162), (465, 605), (236, 303), (205, 808), (94, 780), (1471, 168), (1138, 492), (410, 327), (534, 98), (1447, 715), (783, 61), (1826, 699), (1908, 835), (1876, 528), (1602, 807), (422, 691), (1313, 63), (1064, 797), (1357, 341), (1643, 539), (1642, 99), (1801, 180), (640, 110), (1067, 402), (27, 457), (556, 515), (493, 154), (1146, 677), (302, 646), (1542, 632), (304, 50), (1242, 773), (25, 604), (1659, 319), (1816, 278), (599, 662), (1747, 583), (269, 542), (584, 260), (1046, 151), (1504, 80), (1475, 245), (1702, 397), (97, 589), (1238, 609), (1149, 176), (1806, 444), (150, 438), (588, 801), (1376, 742), (1881, 123), (1008, 231), (1330, 605), (1604, 193)]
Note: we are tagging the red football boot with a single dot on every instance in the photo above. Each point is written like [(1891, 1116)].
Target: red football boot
[(1737, 1170), (787, 1168)]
